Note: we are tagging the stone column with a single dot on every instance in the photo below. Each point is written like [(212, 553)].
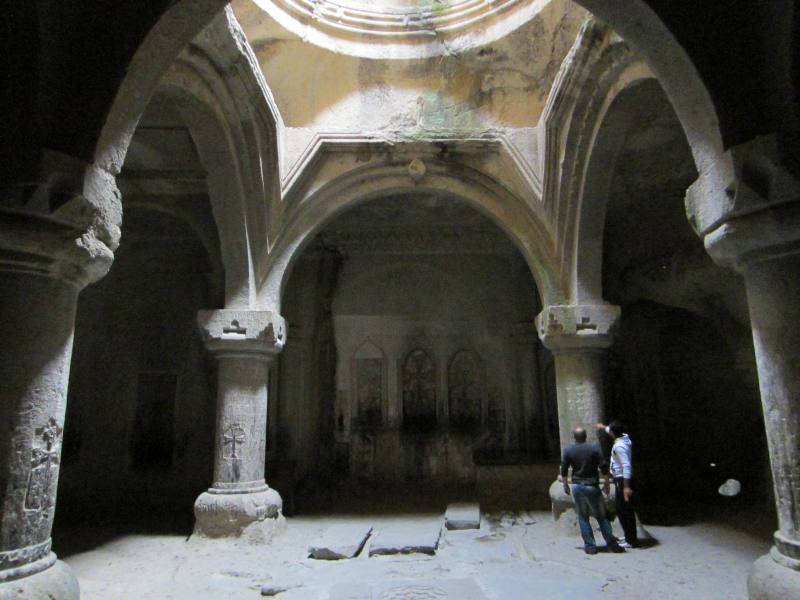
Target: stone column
[(751, 223), (577, 337), (239, 500), (765, 248), (46, 257)]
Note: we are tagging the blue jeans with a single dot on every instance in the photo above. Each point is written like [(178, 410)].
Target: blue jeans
[(589, 501)]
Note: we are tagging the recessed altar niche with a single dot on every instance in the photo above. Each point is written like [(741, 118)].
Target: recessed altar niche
[(436, 370)]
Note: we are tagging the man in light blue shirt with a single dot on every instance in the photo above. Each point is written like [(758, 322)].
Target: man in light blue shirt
[(622, 472)]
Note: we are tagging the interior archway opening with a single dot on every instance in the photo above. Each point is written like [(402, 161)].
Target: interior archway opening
[(681, 373), (412, 370), (138, 443)]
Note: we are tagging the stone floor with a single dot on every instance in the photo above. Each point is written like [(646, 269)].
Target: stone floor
[(513, 556)]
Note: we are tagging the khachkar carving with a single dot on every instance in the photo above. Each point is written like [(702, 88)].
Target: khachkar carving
[(576, 397), (244, 343), (369, 390), (465, 390), (419, 391), (233, 438), (43, 478)]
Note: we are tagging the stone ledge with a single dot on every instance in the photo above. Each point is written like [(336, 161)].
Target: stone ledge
[(463, 515)]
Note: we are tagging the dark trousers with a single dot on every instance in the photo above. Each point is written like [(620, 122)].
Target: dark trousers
[(625, 512)]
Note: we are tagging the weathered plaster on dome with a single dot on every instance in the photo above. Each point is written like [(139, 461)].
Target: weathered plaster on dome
[(502, 84)]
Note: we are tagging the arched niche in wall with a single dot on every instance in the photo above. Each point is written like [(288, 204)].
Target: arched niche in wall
[(136, 342), (418, 381), (368, 377), (465, 391)]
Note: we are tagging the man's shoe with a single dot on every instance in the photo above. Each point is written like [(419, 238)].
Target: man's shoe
[(616, 548), (626, 545), (589, 550)]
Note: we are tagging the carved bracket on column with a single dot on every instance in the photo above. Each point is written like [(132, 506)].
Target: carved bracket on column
[(756, 217), (771, 233), (62, 220), (587, 326), (242, 331), (758, 180)]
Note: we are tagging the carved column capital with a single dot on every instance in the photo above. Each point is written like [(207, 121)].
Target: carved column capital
[(232, 332), (771, 233), (752, 215), (60, 220), (756, 178), (577, 327)]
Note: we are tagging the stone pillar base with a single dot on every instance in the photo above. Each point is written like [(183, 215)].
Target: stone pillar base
[(770, 580), (227, 513), (56, 582), (561, 502)]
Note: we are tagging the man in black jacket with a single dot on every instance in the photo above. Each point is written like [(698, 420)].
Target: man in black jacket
[(586, 460)]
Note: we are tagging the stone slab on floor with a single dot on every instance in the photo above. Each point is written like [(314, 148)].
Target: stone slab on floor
[(476, 546), (407, 537), (344, 540), (441, 589), (463, 515), (504, 583)]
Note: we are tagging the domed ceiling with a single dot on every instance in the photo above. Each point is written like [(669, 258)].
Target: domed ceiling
[(400, 28)]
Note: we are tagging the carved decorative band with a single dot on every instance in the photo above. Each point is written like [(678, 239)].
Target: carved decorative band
[(385, 21), (783, 560), (247, 487), (437, 241), (787, 547), (22, 562)]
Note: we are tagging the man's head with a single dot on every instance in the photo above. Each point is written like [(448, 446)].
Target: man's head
[(616, 429), (579, 433)]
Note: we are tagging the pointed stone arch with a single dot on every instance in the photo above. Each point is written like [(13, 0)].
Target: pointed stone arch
[(448, 179), (419, 387), (369, 382), (466, 395), (215, 81)]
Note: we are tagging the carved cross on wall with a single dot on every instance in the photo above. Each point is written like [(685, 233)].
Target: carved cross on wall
[(234, 437)]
